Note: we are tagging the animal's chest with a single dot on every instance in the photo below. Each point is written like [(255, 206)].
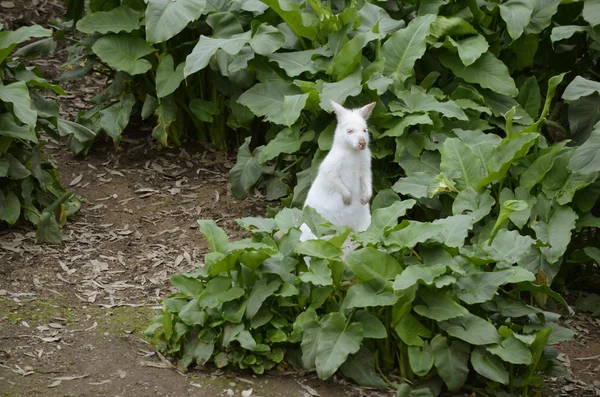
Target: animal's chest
[(351, 173)]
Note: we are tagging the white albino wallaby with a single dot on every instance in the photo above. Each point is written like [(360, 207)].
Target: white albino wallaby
[(343, 187)]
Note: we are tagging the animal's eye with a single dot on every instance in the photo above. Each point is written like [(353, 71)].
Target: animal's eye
[(365, 130), (349, 131)]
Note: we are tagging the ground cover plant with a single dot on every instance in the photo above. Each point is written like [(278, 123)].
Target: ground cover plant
[(29, 186)]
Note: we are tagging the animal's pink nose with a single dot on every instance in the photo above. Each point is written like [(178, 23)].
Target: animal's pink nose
[(362, 143)]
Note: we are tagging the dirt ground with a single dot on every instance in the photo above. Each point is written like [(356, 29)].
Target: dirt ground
[(72, 316)]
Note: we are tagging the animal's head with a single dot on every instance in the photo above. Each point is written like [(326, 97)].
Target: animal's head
[(352, 129)]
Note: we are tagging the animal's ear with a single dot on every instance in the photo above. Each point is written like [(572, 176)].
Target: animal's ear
[(366, 110), (338, 109)]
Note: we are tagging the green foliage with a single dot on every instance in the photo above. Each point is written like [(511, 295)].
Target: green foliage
[(29, 185), (429, 310), (464, 91)]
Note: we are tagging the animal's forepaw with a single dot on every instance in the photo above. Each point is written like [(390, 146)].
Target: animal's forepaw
[(347, 198), (365, 200)]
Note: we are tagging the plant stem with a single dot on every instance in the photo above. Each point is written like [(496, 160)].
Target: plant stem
[(554, 124), (299, 159), (381, 372)]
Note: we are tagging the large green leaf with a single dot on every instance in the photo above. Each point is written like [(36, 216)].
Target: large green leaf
[(372, 326), (349, 86), (412, 234), (188, 285), (415, 273), (453, 230), (489, 366), (267, 39), (114, 118), (167, 79), (407, 121), (469, 49), (48, 231), (288, 140), (512, 350), (557, 232), (384, 218), (246, 171), (560, 184), (451, 361), (541, 17), (9, 40), (18, 94), (488, 71), (218, 291), (191, 314), (349, 56), (580, 87), (460, 164), (477, 205), (336, 342), (119, 19), (12, 211), (591, 12), (565, 32), (365, 295), (200, 56), (451, 26), (508, 246), (517, 15), (481, 287), (319, 249), (543, 163), (503, 155), (530, 97), (586, 158), (124, 52), (420, 359), (472, 329), (216, 237), (404, 47), (67, 127), (295, 63), (9, 128), (373, 266), (438, 306), (166, 18), (303, 24), (417, 184), (418, 101), (361, 367), (268, 99), (261, 290), (410, 330)]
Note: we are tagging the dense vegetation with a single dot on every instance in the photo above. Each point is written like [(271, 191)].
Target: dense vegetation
[(486, 140), (29, 186)]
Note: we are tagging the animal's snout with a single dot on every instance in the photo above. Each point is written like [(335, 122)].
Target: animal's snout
[(362, 143)]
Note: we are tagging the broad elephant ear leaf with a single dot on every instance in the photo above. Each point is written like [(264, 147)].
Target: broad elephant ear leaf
[(247, 170), (124, 53), (166, 18), (487, 71), (404, 47)]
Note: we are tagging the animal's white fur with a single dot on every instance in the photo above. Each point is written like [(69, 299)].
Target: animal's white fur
[(343, 187)]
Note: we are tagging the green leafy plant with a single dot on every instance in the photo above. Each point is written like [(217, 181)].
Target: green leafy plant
[(29, 186), (215, 67), (413, 300)]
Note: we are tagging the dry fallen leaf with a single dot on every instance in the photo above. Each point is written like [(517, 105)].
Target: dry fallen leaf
[(247, 393), (76, 180)]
